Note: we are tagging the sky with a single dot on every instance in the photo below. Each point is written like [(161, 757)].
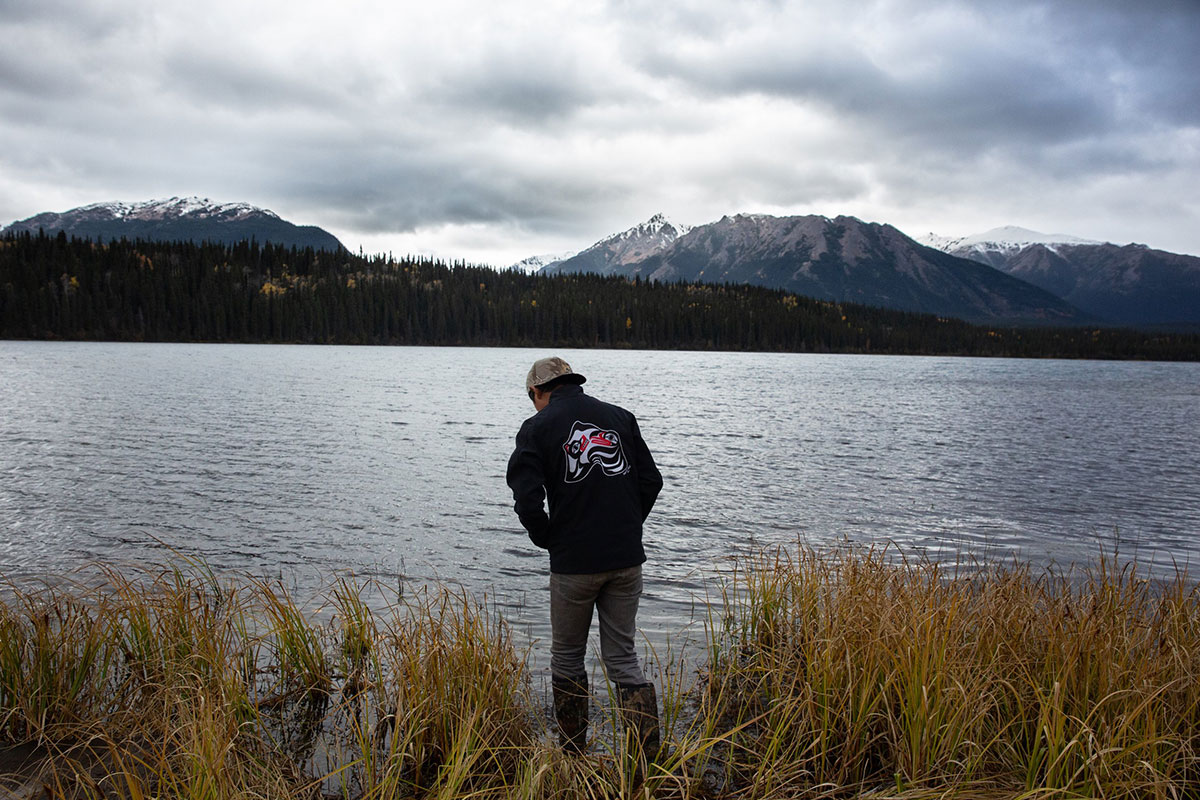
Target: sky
[(487, 132)]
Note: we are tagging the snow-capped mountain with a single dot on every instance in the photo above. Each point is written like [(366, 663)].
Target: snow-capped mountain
[(535, 263), (657, 227), (1008, 238), (832, 259), (610, 254), (173, 208), (1125, 284), (997, 246), (178, 219)]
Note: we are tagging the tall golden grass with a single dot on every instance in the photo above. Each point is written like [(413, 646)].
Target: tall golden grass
[(835, 674)]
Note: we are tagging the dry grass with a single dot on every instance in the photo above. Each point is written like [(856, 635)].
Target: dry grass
[(851, 672), (835, 675)]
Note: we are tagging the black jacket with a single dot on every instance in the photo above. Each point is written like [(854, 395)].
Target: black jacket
[(588, 459)]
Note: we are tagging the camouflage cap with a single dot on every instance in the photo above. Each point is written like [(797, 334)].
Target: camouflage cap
[(545, 370)]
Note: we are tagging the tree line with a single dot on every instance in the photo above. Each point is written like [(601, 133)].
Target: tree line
[(56, 287)]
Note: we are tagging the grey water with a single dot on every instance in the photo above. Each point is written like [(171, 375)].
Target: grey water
[(307, 463)]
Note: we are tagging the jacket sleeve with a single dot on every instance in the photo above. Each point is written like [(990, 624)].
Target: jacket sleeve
[(650, 480), (526, 477)]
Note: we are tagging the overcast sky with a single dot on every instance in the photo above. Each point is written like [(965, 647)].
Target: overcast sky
[(490, 131)]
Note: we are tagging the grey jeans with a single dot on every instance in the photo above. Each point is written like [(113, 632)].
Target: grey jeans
[(615, 597)]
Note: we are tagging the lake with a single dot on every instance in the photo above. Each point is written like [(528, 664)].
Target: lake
[(304, 463)]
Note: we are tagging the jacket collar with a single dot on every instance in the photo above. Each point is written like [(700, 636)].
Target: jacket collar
[(563, 392)]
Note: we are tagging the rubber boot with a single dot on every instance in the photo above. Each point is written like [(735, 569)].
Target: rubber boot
[(571, 713), (639, 712)]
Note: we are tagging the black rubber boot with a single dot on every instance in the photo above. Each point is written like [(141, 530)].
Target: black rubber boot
[(639, 712), (571, 713)]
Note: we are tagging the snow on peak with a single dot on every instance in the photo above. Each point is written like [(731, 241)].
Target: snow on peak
[(659, 221), (535, 263), (751, 217), (175, 207), (1008, 238), (658, 226)]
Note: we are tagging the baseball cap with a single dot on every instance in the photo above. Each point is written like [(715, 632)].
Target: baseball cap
[(545, 370)]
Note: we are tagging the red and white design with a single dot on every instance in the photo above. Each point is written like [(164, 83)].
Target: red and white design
[(588, 445)]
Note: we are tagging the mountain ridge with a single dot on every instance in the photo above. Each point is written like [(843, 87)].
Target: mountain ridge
[(612, 253), (838, 259), (1128, 284), (1005, 238), (177, 219)]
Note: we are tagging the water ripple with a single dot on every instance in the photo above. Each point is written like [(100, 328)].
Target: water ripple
[(317, 461)]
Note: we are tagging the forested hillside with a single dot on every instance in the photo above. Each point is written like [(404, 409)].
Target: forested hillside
[(55, 287)]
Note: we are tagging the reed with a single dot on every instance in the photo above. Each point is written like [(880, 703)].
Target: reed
[(840, 674), (57, 661), (435, 697), (852, 672)]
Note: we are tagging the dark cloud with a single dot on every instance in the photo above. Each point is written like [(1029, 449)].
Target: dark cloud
[(77, 22), (1151, 50), (518, 86), (396, 187), (252, 86), (524, 99), (61, 55), (543, 120), (966, 98), (23, 75)]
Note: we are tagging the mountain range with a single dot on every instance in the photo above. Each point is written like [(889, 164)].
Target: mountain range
[(178, 219), (1003, 276), (1006, 275), (1128, 284), (840, 259)]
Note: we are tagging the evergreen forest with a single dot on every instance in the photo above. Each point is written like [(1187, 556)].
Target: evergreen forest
[(55, 287)]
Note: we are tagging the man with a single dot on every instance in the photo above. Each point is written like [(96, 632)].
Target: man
[(588, 460)]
